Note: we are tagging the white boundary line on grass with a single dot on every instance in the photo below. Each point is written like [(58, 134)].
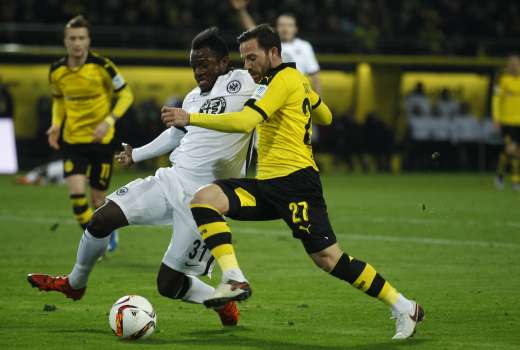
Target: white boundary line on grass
[(278, 232)]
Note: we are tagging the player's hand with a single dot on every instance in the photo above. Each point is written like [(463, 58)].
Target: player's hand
[(239, 4), (53, 136), (172, 116), (100, 131), (125, 157), (496, 125)]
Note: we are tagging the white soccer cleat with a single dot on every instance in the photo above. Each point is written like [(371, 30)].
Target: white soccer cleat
[(405, 323), (228, 291)]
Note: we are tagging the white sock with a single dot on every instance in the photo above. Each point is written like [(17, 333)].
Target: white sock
[(233, 274), (402, 305), (198, 292), (89, 250)]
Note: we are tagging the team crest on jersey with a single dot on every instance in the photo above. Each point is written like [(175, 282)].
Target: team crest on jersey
[(233, 86), (215, 105), (122, 191)]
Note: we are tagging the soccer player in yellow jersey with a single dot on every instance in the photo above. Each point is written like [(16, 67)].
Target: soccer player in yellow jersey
[(506, 116), (287, 185), (82, 85)]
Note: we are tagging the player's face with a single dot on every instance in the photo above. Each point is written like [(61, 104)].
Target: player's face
[(207, 67), (77, 42), (286, 28), (256, 59)]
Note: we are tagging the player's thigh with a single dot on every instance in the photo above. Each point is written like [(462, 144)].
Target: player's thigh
[(101, 159), (298, 198), (187, 251), (246, 201), (143, 202)]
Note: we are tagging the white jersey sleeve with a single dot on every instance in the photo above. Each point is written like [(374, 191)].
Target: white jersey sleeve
[(167, 141), (300, 52), (310, 63)]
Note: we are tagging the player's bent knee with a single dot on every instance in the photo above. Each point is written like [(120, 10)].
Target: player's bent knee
[(327, 258), (212, 195), (106, 219), (170, 283)]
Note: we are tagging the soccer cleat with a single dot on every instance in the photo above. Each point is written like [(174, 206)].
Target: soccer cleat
[(59, 284), (229, 314), (112, 243), (228, 291), (405, 323)]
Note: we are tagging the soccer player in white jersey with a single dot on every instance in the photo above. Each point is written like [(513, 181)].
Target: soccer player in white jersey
[(294, 49), (199, 157)]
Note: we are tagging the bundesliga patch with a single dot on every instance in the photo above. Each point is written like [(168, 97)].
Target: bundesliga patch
[(118, 81), (233, 87), (259, 92)]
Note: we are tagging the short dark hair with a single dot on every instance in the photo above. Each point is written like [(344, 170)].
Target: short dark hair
[(78, 22), (211, 39), (287, 14), (266, 36)]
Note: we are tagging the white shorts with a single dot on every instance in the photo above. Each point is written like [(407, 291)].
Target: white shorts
[(165, 199)]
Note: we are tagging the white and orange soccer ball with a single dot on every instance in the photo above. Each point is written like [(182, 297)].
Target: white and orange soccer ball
[(132, 317)]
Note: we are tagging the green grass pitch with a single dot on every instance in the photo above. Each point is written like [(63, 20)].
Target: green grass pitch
[(450, 241)]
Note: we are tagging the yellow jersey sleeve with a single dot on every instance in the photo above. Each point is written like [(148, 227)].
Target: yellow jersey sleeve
[(58, 104), (267, 100), (321, 113), (115, 81)]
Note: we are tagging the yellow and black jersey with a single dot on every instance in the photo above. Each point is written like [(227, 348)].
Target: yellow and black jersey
[(82, 97), (285, 100), (282, 107), (506, 101)]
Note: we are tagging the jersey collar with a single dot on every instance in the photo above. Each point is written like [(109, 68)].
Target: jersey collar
[(274, 71)]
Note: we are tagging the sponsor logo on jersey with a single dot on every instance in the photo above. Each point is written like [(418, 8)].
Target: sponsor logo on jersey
[(122, 191), (215, 105), (233, 86)]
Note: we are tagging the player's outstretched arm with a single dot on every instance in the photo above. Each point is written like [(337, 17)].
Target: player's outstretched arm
[(245, 18), (242, 122), (166, 142)]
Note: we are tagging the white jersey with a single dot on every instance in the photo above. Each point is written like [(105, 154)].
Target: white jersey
[(209, 154), (300, 52)]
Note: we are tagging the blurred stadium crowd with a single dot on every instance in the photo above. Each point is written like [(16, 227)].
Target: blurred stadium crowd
[(372, 26)]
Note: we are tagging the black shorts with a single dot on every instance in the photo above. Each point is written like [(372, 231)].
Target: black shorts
[(93, 160), (296, 198), (510, 134)]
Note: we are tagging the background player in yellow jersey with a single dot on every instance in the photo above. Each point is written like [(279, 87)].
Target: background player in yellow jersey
[(287, 185), (82, 86), (506, 115)]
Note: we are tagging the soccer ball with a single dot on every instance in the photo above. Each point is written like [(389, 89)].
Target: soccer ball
[(132, 317)]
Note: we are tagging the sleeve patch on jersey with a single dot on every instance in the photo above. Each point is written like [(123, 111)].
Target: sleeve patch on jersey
[(118, 82), (251, 104), (259, 92), (233, 86)]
